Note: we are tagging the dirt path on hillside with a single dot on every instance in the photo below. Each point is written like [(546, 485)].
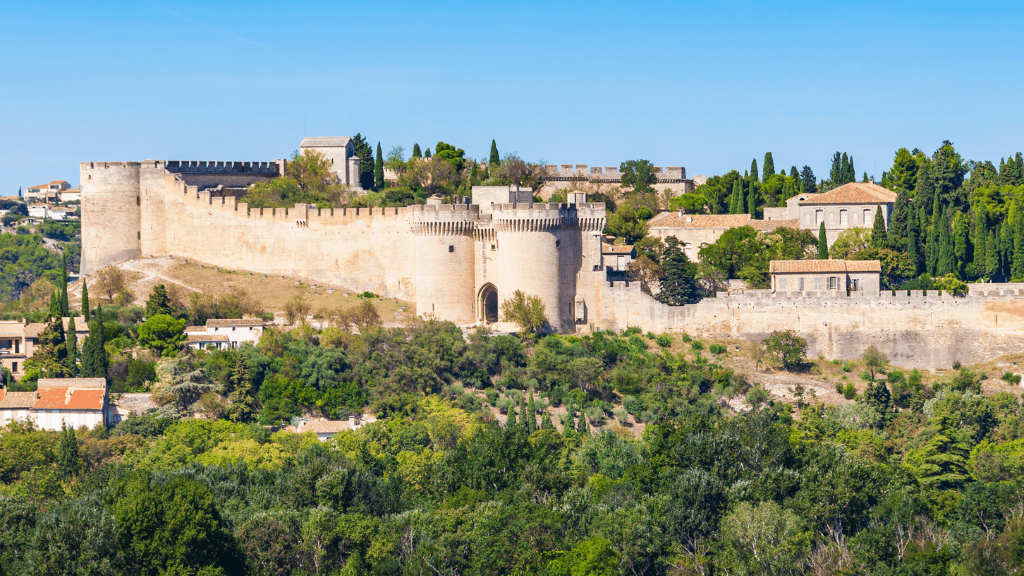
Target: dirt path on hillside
[(148, 269)]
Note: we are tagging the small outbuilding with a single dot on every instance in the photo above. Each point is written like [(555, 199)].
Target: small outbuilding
[(825, 275)]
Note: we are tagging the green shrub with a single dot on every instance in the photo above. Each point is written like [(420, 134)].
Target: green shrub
[(631, 331), (685, 337), (622, 415), (847, 366), (717, 349), (664, 340), (849, 392), (492, 396), (504, 405), (696, 345), (1010, 378), (650, 335)]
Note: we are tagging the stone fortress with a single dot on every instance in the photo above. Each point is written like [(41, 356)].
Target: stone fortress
[(458, 262)]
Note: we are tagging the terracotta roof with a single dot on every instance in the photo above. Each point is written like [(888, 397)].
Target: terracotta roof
[(812, 266), (854, 193), (3, 391), (69, 398), (18, 400), (325, 142), (195, 329), (325, 426), (35, 329), (8, 329), (73, 382), (770, 225), (207, 338), (236, 322), (677, 220), (617, 249)]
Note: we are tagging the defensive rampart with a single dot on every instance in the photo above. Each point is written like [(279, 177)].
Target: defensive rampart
[(914, 329)]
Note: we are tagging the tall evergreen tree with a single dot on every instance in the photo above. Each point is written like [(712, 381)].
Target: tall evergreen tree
[(1017, 269), (94, 352), (992, 254), (914, 246), (494, 160), (365, 155), (85, 300), (243, 399), (67, 452), (947, 263), (851, 173), (64, 285), (931, 250), (378, 170), (836, 173), (753, 170), (736, 203), (979, 258), (52, 352), (679, 286), (794, 174), (808, 181), (900, 214), (427, 154), (879, 235), (961, 243), (546, 423), (158, 302), (416, 153), (822, 243), (54, 309), (769, 166), (71, 343), (752, 201), (1006, 249)]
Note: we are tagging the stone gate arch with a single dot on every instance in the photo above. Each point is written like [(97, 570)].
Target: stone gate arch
[(487, 303)]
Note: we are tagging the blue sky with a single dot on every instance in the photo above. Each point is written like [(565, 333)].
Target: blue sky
[(707, 85)]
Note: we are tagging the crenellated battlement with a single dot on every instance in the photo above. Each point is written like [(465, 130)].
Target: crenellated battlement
[(273, 168), (556, 172), (108, 165), (442, 228)]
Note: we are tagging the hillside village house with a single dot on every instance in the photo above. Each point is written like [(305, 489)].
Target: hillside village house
[(73, 402), (825, 275), (224, 334), (48, 212), (18, 342), (49, 192), (695, 231), (617, 256)]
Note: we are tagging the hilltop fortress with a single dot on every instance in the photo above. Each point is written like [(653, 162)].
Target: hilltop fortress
[(459, 262)]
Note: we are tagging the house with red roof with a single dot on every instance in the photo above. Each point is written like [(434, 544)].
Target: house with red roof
[(57, 402)]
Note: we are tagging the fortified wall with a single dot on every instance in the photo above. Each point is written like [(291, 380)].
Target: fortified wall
[(914, 329), (558, 176)]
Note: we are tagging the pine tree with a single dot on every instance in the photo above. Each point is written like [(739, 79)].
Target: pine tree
[(67, 452), (753, 170), (900, 215), (808, 181), (494, 159), (822, 243), (158, 302), (769, 167), (878, 397), (679, 286), (71, 343), (879, 236), (85, 300), (416, 153), (794, 173), (378, 170)]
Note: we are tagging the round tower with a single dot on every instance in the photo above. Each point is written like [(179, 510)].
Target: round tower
[(444, 261), (530, 256), (111, 228)]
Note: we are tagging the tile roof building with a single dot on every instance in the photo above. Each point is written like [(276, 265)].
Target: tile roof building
[(695, 231), (825, 275), (18, 341), (44, 192), (849, 206), (221, 334), (340, 152), (74, 402)]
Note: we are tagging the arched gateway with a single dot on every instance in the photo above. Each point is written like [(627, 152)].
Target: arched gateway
[(487, 304)]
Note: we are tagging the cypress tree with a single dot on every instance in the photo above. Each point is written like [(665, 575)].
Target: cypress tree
[(1006, 246), (879, 236), (794, 173), (52, 352), (67, 452), (900, 214), (992, 254), (584, 428), (844, 169), (822, 243), (494, 159), (679, 286), (54, 306), (71, 343), (427, 153), (474, 173), (546, 423), (836, 173), (851, 174), (753, 169), (931, 251), (378, 170), (914, 245), (865, 177), (64, 284), (752, 201), (769, 166), (242, 399), (94, 352), (85, 300), (1017, 270), (979, 258), (737, 192), (416, 151), (946, 261), (511, 423), (531, 415)]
